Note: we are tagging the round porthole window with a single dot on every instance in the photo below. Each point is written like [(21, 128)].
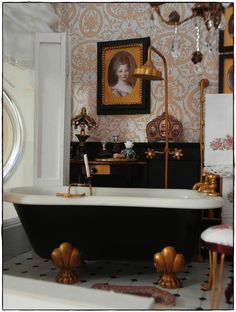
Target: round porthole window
[(12, 131)]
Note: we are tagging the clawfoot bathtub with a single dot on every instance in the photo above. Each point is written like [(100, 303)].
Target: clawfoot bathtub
[(113, 222)]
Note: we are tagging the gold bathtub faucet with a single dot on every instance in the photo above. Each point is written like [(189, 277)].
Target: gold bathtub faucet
[(208, 184), (68, 194)]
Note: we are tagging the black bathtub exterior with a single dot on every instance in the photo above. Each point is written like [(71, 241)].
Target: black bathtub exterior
[(108, 232)]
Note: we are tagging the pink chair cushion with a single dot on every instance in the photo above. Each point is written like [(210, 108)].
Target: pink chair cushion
[(219, 238)]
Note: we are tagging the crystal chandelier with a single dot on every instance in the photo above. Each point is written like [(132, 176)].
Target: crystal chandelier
[(212, 14)]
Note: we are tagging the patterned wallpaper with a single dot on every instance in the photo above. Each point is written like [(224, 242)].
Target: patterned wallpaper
[(89, 23)]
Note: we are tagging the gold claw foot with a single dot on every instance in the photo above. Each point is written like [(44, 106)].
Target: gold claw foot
[(169, 280), (67, 259), (168, 263)]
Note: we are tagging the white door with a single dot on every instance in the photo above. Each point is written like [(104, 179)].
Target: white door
[(52, 110)]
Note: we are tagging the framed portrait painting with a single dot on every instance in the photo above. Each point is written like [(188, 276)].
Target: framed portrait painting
[(118, 92), (226, 73), (226, 37)]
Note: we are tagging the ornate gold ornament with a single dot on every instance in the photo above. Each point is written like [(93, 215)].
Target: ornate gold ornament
[(67, 259), (156, 129), (83, 120), (168, 262)]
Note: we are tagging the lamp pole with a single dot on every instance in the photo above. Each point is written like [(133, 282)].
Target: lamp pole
[(149, 72), (166, 105)]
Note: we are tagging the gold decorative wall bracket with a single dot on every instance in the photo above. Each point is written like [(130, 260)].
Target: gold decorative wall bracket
[(174, 17), (68, 194), (208, 11), (67, 259), (168, 262)]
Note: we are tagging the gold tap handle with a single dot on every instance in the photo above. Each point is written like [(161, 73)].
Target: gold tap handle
[(150, 153)]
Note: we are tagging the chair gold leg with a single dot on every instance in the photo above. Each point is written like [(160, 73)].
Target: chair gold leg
[(214, 268), (208, 285), (220, 280)]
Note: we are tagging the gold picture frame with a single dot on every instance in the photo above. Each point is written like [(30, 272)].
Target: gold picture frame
[(121, 93), (226, 73), (226, 37)]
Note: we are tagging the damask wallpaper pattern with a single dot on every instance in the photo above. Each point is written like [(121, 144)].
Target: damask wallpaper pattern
[(89, 23)]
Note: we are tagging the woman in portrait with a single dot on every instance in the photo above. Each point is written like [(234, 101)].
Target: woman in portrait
[(120, 79)]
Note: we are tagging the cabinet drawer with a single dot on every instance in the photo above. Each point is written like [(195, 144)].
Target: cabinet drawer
[(100, 169)]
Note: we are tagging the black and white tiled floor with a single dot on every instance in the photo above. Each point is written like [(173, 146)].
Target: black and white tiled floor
[(188, 297)]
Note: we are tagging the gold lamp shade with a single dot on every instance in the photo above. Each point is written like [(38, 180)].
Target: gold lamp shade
[(148, 71)]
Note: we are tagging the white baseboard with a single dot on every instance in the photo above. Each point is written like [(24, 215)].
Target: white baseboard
[(11, 223), (14, 239)]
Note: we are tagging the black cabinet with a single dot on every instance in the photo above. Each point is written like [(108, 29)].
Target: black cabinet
[(111, 174), (182, 173), (143, 172)]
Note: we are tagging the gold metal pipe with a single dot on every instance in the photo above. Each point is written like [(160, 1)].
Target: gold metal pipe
[(203, 84), (148, 71), (166, 115)]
